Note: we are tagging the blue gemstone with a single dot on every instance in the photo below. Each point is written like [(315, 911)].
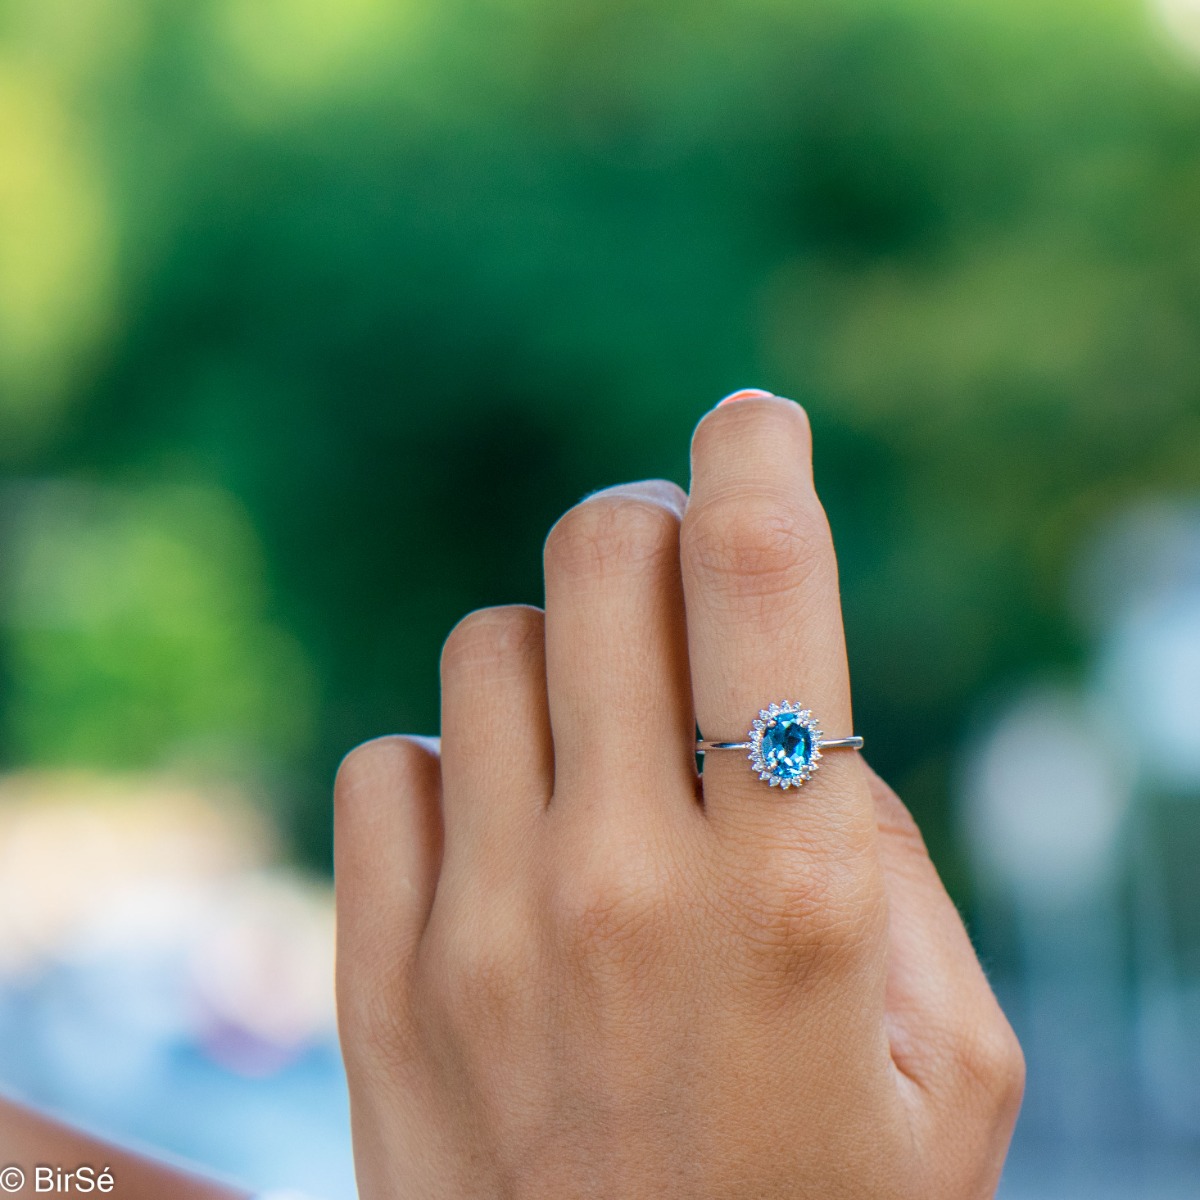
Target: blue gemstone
[(787, 747)]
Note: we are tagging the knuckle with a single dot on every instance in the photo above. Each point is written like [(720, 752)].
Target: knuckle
[(611, 534), (993, 1063), (893, 820), (375, 1022), (608, 909), (482, 967), (488, 635), (390, 762), (826, 914), (756, 545), (902, 832)]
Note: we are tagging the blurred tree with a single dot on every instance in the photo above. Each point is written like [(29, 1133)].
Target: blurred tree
[(404, 280)]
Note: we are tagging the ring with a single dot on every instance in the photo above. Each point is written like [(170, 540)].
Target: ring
[(785, 745)]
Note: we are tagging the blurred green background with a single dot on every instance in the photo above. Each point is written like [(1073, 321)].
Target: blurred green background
[(314, 317)]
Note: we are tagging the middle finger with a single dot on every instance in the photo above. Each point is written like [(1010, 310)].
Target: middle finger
[(616, 651)]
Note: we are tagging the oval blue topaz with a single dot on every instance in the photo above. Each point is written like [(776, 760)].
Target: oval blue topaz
[(787, 747)]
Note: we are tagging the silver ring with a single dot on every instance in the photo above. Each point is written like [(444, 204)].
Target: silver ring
[(785, 744)]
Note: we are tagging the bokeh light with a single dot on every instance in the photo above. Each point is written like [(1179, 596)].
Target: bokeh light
[(1182, 20)]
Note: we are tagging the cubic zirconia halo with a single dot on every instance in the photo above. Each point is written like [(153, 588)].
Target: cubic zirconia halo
[(785, 745)]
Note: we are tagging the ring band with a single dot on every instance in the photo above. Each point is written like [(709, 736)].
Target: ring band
[(848, 743), (785, 744)]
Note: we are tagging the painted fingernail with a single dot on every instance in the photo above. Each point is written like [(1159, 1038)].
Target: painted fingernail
[(747, 394)]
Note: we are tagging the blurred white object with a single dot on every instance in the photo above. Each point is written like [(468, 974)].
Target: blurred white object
[(1139, 587), (74, 846), (263, 969), (1047, 792), (163, 979), (1182, 21), (164, 895), (1150, 663), (1047, 799), (1152, 667)]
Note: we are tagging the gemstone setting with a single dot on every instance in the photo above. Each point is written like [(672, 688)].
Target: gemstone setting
[(785, 745)]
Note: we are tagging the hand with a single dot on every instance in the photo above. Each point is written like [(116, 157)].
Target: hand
[(566, 969)]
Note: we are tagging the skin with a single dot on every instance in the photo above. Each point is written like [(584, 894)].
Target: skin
[(28, 1138), (569, 967)]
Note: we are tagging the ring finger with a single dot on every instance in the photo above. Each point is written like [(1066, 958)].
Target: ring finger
[(764, 623)]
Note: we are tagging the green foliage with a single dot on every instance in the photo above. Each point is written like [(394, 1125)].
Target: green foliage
[(401, 281), (135, 630)]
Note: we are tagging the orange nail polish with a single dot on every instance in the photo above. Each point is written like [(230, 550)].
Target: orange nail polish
[(746, 394)]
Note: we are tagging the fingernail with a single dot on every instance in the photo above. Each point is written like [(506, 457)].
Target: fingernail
[(656, 490), (747, 394)]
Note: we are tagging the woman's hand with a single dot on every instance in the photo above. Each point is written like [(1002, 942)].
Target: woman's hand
[(567, 969)]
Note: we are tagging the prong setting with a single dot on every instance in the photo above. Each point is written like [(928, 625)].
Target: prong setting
[(785, 745)]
